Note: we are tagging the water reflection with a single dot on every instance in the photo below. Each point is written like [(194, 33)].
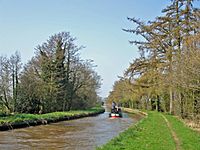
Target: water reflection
[(82, 134)]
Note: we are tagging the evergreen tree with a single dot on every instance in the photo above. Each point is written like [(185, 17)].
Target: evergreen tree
[(60, 75)]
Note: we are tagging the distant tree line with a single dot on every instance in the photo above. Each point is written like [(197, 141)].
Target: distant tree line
[(166, 76), (55, 79)]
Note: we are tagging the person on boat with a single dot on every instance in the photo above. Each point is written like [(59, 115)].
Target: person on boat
[(113, 106), (118, 109)]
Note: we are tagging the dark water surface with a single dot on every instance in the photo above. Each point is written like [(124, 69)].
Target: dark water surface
[(81, 134)]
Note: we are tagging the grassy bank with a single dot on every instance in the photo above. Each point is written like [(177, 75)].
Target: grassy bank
[(23, 120), (153, 133)]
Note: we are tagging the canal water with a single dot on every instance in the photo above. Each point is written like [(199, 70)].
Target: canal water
[(81, 134)]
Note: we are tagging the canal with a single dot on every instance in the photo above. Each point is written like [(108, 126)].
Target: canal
[(81, 134)]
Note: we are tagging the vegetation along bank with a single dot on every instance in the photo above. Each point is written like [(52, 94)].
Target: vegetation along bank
[(25, 120), (55, 79)]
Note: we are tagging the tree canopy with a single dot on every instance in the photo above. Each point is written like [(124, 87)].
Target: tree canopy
[(55, 79)]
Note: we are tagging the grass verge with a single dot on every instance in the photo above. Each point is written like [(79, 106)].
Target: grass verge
[(151, 133)]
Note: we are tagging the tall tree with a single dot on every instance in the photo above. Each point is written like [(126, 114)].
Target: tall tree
[(5, 83), (62, 70), (15, 67)]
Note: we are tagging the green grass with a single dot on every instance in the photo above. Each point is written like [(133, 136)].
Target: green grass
[(189, 139), (54, 115), (151, 133)]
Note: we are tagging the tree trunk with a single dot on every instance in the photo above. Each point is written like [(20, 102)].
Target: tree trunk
[(13, 86), (171, 101), (16, 88), (158, 103), (181, 104), (6, 101)]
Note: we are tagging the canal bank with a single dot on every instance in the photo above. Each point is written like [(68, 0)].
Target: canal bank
[(26, 120), (156, 131)]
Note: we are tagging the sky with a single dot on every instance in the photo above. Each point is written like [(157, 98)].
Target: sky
[(97, 25)]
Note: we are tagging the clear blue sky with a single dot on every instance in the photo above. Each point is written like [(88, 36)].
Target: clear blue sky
[(97, 24)]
